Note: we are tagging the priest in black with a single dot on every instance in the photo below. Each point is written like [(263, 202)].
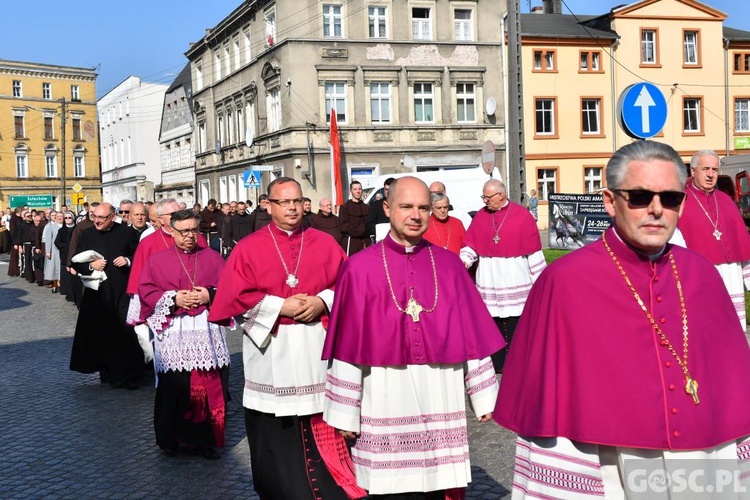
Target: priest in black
[(103, 342)]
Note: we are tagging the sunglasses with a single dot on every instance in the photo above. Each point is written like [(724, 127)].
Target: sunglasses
[(640, 198), (123, 211)]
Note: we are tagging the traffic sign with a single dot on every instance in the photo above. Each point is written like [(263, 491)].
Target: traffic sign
[(488, 157), (78, 198), (642, 110), (77, 187), (33, 201), (251, 178)]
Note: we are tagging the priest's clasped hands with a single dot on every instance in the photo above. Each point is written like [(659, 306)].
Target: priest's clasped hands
[(100, 264), (190, 299), (303, 308)]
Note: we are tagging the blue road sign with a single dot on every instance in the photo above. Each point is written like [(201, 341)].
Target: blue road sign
[(251, 178), (642, 110)]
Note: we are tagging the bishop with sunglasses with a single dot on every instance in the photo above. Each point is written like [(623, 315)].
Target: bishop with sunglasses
[(712, 225), (628, 349)]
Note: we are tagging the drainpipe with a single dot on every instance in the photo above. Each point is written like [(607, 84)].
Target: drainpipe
[(726, 94), (503, 61), (613, 91)]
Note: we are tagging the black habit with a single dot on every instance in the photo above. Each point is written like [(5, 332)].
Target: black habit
[(103, 342)]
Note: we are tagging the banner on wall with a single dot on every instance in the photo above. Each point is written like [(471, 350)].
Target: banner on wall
[(576, 220)]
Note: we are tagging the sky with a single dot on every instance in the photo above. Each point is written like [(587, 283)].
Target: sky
[(148, 38)]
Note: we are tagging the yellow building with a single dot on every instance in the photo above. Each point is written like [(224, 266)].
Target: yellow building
[(575, 69), (48, 135)]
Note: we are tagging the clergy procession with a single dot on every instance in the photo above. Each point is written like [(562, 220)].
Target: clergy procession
[(373, 332)]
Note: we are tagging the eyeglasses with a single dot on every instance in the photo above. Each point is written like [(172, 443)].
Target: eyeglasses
[(101, 217), (164, 215), (187, 232), (69, 218), (123, 211), (639, 198), (488, 198), (286, 203)]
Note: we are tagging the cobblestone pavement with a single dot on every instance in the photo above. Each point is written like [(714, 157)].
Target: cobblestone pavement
[(64, 435)]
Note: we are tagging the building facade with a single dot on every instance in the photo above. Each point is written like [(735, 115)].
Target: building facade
[(129, 122), (408, 80), (576, 68), (48, 140), (176, 142)]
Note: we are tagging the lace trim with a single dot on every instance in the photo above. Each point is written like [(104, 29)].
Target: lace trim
[(160, 315), (191, 343), (134, 311), (247, 320)]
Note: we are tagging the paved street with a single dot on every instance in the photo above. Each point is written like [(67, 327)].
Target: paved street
[(64, 435)]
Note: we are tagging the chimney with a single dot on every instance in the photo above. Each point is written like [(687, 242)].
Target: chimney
[(537, 9), (552, 6)]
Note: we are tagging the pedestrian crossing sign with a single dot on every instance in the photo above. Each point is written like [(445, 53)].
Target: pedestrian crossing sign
[(251, 178)]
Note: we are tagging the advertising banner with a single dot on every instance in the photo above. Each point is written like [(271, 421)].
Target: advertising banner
[(576, 220)]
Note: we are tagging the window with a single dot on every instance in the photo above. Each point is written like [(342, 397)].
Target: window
[(592, 179), (546, 182), (269, 17), (421, 24), (223, 195), (240, 125), (17, 89), (742, 115), (465, 103), (77, 129), (590, 61), (332, 22), (247, 45), (378, 22), (691, 48), (218, 64), (19, 128), (220, 132), (463, 25), (230, 128), (48, 128), (380, 102), (691, 115), (649, 47), (51, 164), (336, 98), (22, 165), (79, 166), (236, 51), (227, 60), (423, 103), (545, 117), (545, 60), (75, 93), (198, 74), (202, 137), (591, 116), (46, 91), (742, 62), (273, 101)]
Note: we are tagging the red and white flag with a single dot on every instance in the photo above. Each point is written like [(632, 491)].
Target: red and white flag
[(337, 196)]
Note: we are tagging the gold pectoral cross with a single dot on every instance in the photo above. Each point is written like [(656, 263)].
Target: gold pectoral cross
[(413, 309), (717, 234), (691, 387)]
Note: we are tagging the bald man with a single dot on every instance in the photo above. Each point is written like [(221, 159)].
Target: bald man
[(102, 341), (504, 242)]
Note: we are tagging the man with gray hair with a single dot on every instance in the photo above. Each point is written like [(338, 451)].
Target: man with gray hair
[(628, 360), (504, 242), (713, 226)]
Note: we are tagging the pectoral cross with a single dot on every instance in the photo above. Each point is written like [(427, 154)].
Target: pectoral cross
[(717, 234), (496, 239), (691, 387), (413, 309), (292, 281)]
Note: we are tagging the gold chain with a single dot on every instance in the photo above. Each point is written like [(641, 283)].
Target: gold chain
[(195, 271), (411, 293), (496, 237), (691, 385)]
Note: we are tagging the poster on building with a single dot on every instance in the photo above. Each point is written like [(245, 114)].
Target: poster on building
[(576, 220)]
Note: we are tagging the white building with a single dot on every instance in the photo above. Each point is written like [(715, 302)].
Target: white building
[(129, 122), (176, 142)]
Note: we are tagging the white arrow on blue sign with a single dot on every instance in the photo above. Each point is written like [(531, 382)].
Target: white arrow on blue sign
[(251, 178), (642, 110)]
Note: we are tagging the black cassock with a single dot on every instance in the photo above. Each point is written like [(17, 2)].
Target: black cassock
[(102, 339)]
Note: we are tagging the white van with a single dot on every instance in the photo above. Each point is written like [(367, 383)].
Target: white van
[(462, 185)]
